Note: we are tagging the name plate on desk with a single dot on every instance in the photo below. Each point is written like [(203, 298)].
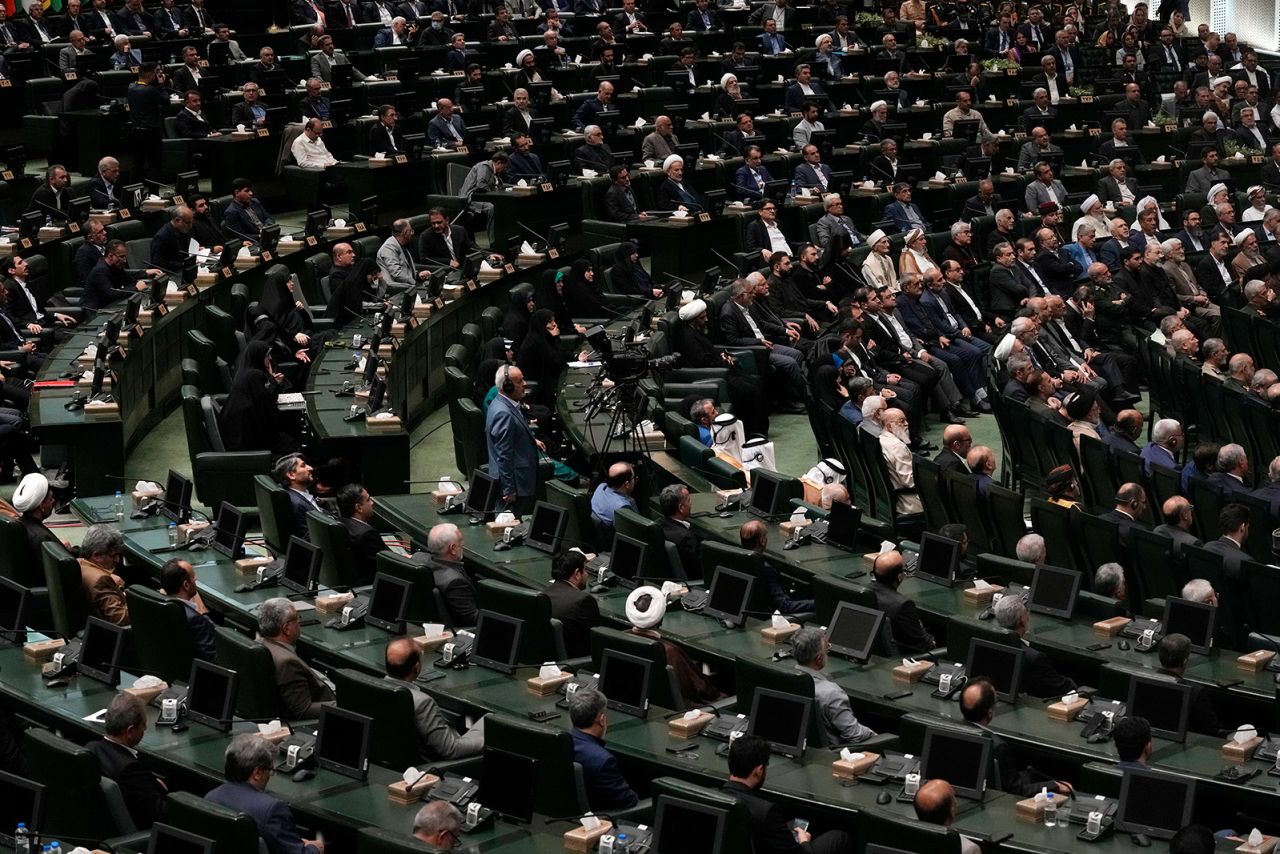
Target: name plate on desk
[(6, 83)]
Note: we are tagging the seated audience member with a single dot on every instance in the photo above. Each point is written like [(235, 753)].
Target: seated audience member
[(607, 789), (437, 740), (178, 581), (571, 604), (117, 755), (444, 559), (978, 708), (613, 494), (439, 823), (676, 506), (301, 690), (645, 608), (935, 803), (1132, 736), (1174, 653), (1039, 677), (355, 512), (100, 553), (888, 572), (248, 764), (810, 646)]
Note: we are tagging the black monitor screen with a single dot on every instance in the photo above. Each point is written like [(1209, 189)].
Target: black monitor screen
[(1164, 703), (388, 602), (1054, 591), (508, 784), (228, 534), (301, 566), (1153, 803), (764, 496), (20, 801), (958, 758), (1193, 619), (547, 527), (998, 662), (842, 524), (100, 651), (853, 630), (624, 680), (497, 641), (628, 556), (939, 558), (730, 593), (343, 742), (780, 719), (14, 601), (211, 696), (171, 840), (177, 497), (680, 827), (187, 185)]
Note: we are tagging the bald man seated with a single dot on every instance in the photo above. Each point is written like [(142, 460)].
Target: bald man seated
[(956, 441), (1005, 771), (754, 536), (437, 740), (908, 632), (614, 494), (936, 804)]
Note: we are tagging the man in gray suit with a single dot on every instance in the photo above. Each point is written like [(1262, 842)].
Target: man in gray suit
[(398, 268), (437, 741), (68, 55), (247, 765), (323, 62), (513, 450), (1179, 517), (1045, 188), (301, 691)]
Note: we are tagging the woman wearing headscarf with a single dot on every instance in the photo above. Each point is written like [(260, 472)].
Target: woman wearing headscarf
[(878, 269), (1092, 212), (581, 296), (540, 356), (250, 419), (727, 101), (915, 255), (286, 311), (835, 263), (261, 328), (356, 286), (516, 322), (550, 295), (629, 277), (485, 391)]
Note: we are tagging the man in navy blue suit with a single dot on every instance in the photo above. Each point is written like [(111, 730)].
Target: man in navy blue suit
[(247, 764), (178, 581), (296, 476), (606, 788), (752, 176)]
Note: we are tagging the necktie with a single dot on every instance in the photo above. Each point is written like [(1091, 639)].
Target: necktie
[(1004, 42), (391, 139), (631, 199), (253, 217), (351, 21), (853, 238), (4, 29)]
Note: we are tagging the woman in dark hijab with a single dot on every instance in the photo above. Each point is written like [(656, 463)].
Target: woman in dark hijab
[(629, 277), (351, 287), (250, 417), (835, 263), (550, 296), (516, 322), (285, 309), (581, 296), (291, 358), (540, 356), (826, 385), (484, 382)]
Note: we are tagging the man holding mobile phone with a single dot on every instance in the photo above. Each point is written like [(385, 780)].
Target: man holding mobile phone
[(771, 833)]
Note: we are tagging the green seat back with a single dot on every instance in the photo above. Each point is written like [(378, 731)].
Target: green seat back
[(337, 568), (160, 634), (275, 511), (559, 788), (664, 688), (541, 640), (233, 832), (257, 698), (737, 832), (73, 798), (393, 738), (69, 607)]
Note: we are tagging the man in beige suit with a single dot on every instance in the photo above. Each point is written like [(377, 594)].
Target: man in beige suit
[(301, 690), (437, 740), (1189, 292), (897, 458)]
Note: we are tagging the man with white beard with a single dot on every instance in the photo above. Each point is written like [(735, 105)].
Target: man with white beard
[(897, 457)]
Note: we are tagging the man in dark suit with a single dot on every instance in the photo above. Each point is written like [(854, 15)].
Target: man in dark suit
[(178, 581), (1270, 492), (169, 21), (1127, 428), (909, 634), (1233, 468), (677, 507), (1039, 677), (607, 790), (619, 201), (770, 830), (117, 754), (191, 122), (344, 14), (28, 304), (296, 477), (198, 19), (248, 764), (1131, 503), (1233, 521), (444, 559), (307, 12), (1174, 652), (1117, 176), (1067, 57), (355, 512), (443, 243), (446, 127), (52, 198), (1005, 772), (1008, 291), (956, 442), (571, 604), (170, 244), (245, 217), (133, 20), (90, 252), (1179, 517), (300, 690), (109, 281)]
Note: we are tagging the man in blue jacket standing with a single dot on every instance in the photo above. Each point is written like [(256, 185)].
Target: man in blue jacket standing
[(513, 450)]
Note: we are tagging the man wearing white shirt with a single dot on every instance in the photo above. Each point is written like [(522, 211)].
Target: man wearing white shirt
[(765, 234), (309, 150), (1050, 79)]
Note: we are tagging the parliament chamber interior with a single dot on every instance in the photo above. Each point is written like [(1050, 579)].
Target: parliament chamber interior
[(681, 427)]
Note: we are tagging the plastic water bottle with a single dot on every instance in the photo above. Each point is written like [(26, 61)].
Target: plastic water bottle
[(119, 506), (1050, 812), (55, 847), (173, 533), (22, 839)]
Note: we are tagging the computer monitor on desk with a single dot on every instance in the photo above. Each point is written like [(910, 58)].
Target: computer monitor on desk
[(1164, 703), (100, 652), (508, 784), (546, 528), (624, 680), (960, 758), (388, 603), (1195, 620), (627, 557), (20, 801), (939, 559), (497, 644), (782, 720), (682, 826), (342, 744), (1054, 591), (1001, 663), (15, 600), (853, 630), (166, 839), (301, 572), (1155, 804), (211, 695), (728, 596), (482, 495), (229, 531)]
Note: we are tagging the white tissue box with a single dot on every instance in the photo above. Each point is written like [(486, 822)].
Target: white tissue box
[(146, 695), (1267, 844), (1233, 752), (430, 643)]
